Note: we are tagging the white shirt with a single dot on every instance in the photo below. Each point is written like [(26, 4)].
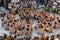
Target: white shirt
[(55, 3), (56, 39), (58, 1), (59, 17), (17, 6), (9, 5)]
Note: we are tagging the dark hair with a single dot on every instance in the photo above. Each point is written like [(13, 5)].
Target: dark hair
[(19, 28), (12, 38), (18, 19), (4, 22), (10, 21), (4, 14), (52, 37), (46, 16), (8, 17), (11, 25), (2, 19), (44, 22), (47, 38), (28, 25), (10, 11), (15, 20), (55, 23), (15, 36), (36, 38), (12, 6), (27, 29), (5, 36), (41, 26), (28, 38), (49, 24), (47, 20), (50, 20), (58, 35), (21, 38), (38, 21)]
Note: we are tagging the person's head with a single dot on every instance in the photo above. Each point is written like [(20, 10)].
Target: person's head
[(4, 14), (28, 38), (41, 26), (55, 22), (5, 36), (38, 21), (12, 6), (15, 36), (50, 25), (44, 22), (10, 11), (36, 38), (12, 38), (58, 35), (8, 38), (19, 28), (46, 16), (21, 39), (49, 2), (15, 20), (47, 38), (53, 19), (48, 22), (2, 19), (58, 12), (28, 25), (27, 29), (57, 17), (58, 3), (10, 21), (11, 26), (52, 36)]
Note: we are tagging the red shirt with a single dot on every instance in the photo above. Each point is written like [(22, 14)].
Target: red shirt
[(44, 37)]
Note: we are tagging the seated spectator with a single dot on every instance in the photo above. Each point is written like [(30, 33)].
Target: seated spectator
[(49, 4), (28, 31), (47, 38), (8, 38), (42, 28), (36, 38), (5, 36), (15, 36), (57, 38), (27, 38), (12, 38), (11, 29), (19, 31), (50, 28), (52, 37), (13, 10)]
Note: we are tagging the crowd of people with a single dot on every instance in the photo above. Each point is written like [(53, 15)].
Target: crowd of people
[(53, 6), (21, 18), (23, 4), (57, 37)]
